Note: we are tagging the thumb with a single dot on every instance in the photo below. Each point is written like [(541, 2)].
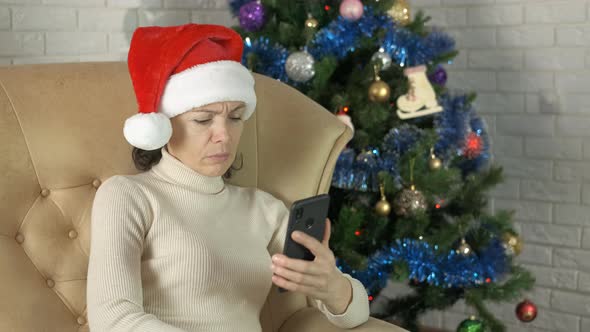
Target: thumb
[(328, 231)]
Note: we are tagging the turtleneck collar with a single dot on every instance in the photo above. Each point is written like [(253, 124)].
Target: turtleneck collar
[(175, 171)]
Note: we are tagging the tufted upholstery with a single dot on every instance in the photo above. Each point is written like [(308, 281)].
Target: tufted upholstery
[(61, 125)]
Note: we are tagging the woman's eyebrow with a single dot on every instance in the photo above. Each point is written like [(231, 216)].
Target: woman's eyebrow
[(207, 111)]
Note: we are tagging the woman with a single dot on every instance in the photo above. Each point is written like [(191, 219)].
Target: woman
[(175, 248)]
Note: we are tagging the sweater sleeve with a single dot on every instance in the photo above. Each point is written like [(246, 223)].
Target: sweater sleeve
[(357, 311), (119, 220)]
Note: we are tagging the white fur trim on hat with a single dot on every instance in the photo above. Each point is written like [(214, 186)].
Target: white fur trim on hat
[(208, 83), (148, 131)]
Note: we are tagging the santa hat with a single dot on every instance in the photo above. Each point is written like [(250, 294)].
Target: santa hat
[(177, 68)]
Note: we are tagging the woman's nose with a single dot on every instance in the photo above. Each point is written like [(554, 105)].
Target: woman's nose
[(220, 133)]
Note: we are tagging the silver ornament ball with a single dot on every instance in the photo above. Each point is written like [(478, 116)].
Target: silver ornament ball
[(383, 59), (300, 66), (409, 201)]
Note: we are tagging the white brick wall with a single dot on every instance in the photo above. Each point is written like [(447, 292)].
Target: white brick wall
[(529, 62), (45, 31)]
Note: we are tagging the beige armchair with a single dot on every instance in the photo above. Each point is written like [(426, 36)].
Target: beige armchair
[(61, 125)]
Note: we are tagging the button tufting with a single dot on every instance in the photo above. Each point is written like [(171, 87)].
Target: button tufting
[(19, 238), (96, 183), (81, 320), (73, 234), (45, 192), (50, 283)]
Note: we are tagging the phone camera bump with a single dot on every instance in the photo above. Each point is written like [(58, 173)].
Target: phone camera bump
[(298, 213), (309, 222)]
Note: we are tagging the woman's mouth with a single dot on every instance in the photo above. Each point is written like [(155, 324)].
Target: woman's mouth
[(219, 157)]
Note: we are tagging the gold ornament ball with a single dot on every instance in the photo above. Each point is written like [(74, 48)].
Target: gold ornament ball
[(311, 23), (400, 12), (464, 249), (512, 243), (435, 163), (379, 91), (383, 208)]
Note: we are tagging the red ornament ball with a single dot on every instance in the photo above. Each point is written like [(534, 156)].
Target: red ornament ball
[(526, 311), (473, 146)]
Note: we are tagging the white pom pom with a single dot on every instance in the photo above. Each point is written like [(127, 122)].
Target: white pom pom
[(148, 131)]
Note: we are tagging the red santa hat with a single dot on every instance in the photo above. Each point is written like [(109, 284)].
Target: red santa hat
[(177, 68)]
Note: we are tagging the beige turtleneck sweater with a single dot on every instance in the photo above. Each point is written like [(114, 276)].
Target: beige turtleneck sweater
[(173, 250)]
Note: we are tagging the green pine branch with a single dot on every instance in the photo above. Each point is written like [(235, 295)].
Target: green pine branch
[(358, 230)]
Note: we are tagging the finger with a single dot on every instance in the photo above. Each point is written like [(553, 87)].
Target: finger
[(309, 242), (298, 265), (297, 277), (289, 285), (326, 240)]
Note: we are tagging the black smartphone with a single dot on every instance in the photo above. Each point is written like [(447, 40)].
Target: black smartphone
[(309, 216)]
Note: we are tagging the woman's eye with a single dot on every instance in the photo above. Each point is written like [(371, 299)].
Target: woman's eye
[(209, 120)]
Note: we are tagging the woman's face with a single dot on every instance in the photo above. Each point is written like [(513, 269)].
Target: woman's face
[(204, 132)]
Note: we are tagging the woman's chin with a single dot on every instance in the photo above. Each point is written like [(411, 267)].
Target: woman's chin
[(215, 170)]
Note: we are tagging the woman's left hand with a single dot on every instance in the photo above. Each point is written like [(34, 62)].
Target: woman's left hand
[(320, 279)]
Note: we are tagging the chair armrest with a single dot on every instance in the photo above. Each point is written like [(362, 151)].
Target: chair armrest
[(310, 319)]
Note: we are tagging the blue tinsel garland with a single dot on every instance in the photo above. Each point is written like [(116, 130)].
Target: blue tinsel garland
[(478, 126), (341, 37), (271, 57), (406, 48), (360, 172), (453, 124), (402, 138), (427, 264)]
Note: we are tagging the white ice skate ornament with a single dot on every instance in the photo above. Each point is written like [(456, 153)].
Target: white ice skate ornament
[(420, 99)]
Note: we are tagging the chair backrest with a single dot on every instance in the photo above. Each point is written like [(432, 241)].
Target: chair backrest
[(62, 128)]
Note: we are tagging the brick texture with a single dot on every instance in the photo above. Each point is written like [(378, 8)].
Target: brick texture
[(50, 31)]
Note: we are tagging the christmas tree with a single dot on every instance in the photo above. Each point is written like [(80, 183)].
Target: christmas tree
[(408, 195)]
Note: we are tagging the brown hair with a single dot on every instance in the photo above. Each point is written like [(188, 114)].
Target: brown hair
[(144, 160)]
